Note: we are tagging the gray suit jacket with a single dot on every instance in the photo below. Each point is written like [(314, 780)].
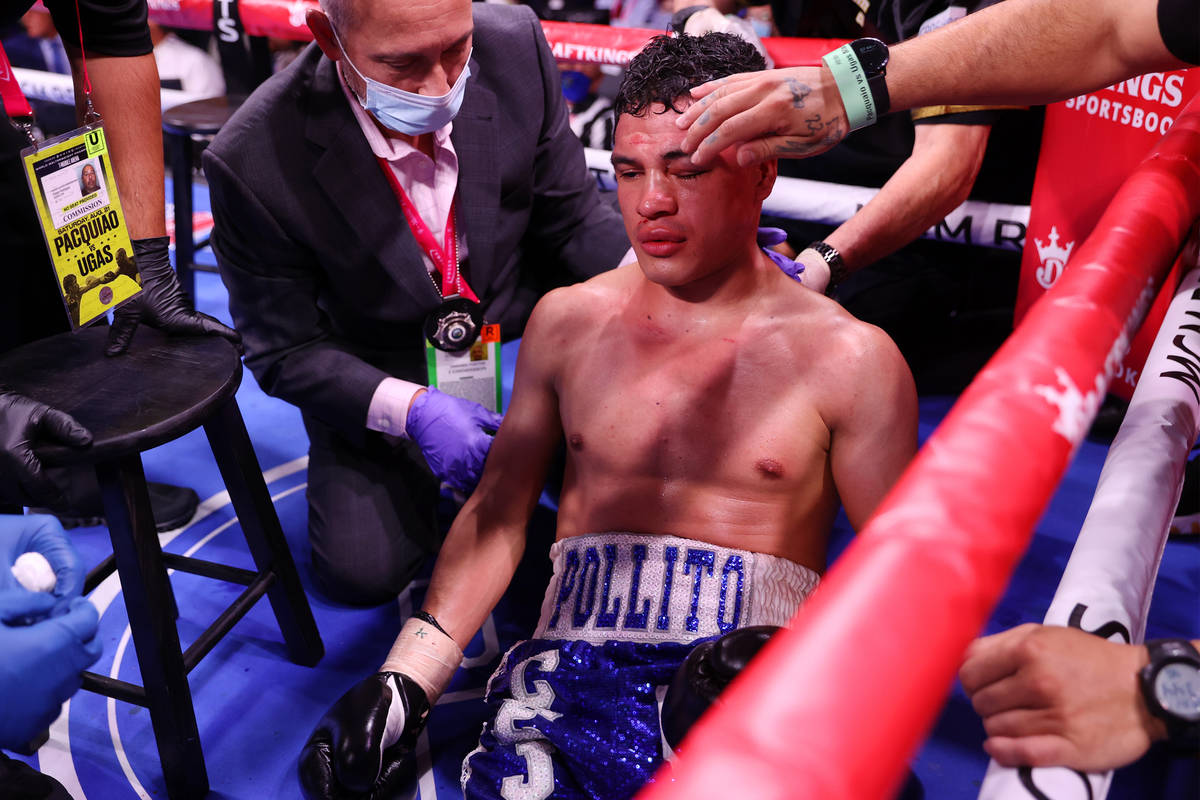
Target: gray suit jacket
[(325, 279)]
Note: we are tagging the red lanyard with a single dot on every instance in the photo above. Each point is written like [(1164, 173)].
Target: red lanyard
[(14, 101), (445, 256)]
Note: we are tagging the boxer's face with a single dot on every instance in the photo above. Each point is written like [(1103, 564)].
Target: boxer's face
[(685, 222), (418, 46)]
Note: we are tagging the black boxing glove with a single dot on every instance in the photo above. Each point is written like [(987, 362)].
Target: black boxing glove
[(363, 746), (162, 303), (704, 674)]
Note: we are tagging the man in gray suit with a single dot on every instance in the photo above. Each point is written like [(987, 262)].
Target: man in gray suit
[(444, 114)]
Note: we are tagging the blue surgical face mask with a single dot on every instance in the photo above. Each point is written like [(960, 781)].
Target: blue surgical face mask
[(407, 112), (575, 85), (762, 27)]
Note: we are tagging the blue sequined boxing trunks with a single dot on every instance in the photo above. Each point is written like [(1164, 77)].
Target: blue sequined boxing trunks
[(575, 710)]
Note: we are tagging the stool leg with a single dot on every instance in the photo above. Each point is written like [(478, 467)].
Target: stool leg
[(181, 192), (149, 603), (248, 491)]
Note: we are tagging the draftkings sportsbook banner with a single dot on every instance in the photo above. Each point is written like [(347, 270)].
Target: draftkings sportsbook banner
[(1089, 145)]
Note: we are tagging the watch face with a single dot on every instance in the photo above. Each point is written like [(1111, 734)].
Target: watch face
[(872, 54), (1177, 689)]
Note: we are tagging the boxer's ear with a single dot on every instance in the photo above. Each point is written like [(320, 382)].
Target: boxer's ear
[(765, 174)]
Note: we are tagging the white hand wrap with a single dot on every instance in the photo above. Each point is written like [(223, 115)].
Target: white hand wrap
[(426, 655)]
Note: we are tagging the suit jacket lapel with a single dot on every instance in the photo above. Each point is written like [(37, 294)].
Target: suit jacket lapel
[(474, 138), (349, 174)]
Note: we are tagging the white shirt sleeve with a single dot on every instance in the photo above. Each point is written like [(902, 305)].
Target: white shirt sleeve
[(388, 412)]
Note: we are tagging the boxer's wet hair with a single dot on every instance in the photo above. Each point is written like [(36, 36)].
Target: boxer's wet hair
[(668, 66)]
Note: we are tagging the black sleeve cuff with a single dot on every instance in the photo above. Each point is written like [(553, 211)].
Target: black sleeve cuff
[(1179, 26), (948, 115), (110, 27)]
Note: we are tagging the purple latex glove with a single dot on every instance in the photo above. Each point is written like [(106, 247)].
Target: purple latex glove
[(770, 236), (454, 436)]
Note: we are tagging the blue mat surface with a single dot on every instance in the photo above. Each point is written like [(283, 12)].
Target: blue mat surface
[(255, 708)]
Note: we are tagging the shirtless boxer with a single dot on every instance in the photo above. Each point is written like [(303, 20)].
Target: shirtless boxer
[(715, 412)]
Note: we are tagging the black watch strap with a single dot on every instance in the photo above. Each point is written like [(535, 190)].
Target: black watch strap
[(873, 55), (679, 18), (425, 616), (863, 60), (1182, 734)]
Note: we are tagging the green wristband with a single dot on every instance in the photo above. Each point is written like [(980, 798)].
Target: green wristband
[(852, 85)]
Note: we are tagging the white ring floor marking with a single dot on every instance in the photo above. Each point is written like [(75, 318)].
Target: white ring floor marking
[(54, 758), (113, 730), (111, 714)]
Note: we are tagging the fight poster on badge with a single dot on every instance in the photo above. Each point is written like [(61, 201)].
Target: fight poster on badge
[(473, 374), (71, 180)]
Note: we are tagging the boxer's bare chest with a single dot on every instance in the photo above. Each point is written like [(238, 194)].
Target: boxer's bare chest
[(732, 404)]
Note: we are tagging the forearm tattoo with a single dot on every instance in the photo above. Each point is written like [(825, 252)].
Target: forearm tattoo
[(830, 132)]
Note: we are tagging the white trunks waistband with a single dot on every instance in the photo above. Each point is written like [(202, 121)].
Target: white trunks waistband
[(645, 588)]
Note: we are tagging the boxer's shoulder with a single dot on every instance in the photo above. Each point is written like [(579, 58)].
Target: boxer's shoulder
[(811, 314), (583, 303), (563, 316)]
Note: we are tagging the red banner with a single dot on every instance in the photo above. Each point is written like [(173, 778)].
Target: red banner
[(1089, 146), (600, 44), (282, 19)]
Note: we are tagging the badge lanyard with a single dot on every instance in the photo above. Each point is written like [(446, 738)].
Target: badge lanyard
[(90, 114), (445, 256), (73, 189), (462, 353), (20, 112)]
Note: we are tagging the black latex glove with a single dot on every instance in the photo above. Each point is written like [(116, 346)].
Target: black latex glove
[(162, 303), (22, 422)]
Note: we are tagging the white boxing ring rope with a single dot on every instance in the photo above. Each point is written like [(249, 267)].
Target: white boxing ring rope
[(1107, 583), (977, 223), (57, 88)]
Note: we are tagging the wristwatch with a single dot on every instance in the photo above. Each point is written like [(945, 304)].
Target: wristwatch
[(1170, 685), (873, 55), (837, 267)]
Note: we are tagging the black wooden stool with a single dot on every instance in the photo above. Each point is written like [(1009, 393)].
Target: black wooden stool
[(182, 126), (161, 389)]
